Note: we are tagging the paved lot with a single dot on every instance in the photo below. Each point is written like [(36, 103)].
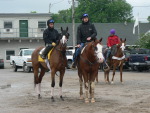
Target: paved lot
[(18, 95)]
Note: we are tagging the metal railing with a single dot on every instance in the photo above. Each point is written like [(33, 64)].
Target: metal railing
[(21, 33)]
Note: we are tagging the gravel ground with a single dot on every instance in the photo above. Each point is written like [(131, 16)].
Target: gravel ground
[(18, 95)]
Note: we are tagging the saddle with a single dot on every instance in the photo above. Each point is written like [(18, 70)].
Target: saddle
[(40, 59)]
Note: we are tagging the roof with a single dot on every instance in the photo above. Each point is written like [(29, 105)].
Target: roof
[(24, 15)]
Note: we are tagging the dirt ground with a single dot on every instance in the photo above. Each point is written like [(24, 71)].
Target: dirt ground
[(18, 95)]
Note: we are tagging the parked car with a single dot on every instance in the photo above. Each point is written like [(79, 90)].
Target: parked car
[(2, 63), (69, 55), (22, 60), (140, 59), (126, 63)]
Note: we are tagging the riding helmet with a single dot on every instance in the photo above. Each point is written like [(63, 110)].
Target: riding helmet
[(50, 21), (84, 15), (112, 31)]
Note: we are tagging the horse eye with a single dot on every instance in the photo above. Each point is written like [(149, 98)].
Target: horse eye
[(95, 48)]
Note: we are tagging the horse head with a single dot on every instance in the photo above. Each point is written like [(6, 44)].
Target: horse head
[(64, 36), (97, 46), (122, 44)]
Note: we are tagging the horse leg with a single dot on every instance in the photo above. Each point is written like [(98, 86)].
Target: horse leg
[(121, 69), (60, 84), (97, 78), (85, 75), (36, 82), (52, 84), (114, 69), (92, 86), (81, 84), (40, 80)]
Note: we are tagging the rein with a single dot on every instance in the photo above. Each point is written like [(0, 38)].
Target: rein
[(87, 61)]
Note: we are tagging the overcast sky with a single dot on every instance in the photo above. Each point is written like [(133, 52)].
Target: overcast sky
[(42, 6)]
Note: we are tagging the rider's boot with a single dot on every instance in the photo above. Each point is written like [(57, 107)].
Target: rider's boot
[(73, 65), (45, 52), (105, 66)]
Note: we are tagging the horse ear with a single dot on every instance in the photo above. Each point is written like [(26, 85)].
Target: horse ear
[(100, 39), (67, 29), (61, 29), (125, 40), (121, 39)]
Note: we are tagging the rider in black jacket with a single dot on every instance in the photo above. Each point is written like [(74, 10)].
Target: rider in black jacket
[(50, 37), (86, 32)]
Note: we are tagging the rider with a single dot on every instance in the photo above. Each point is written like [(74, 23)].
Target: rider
[(86, 32), (112, 40), (50, 37)]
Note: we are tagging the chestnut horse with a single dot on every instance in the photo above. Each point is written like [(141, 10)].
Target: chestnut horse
[(57, 61), (88, 64), (116, 60)]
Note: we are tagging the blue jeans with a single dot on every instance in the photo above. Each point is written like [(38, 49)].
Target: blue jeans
[(77, 52)]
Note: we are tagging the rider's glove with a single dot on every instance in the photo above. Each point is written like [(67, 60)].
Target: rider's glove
[(53, 44)]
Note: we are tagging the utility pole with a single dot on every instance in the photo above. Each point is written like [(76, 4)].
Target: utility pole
[(49, 7), (73, 25)]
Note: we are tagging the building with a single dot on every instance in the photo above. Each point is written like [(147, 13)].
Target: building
[(25, 30)]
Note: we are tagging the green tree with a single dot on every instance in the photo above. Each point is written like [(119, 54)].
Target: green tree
[(63, 16), (148, 19), (33, 12), (105, 11), (144, 41)]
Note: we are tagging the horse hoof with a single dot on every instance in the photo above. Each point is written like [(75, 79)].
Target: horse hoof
[(86, 100), (112, 82), (61, 98), (39, 96), (92, 100), (52, 99), (81, 97), (122, 82)]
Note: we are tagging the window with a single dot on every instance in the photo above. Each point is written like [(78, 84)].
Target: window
[(9, 53), (42, 24), (7, 25)]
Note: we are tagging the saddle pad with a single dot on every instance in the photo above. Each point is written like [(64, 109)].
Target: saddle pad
[(40, 59)]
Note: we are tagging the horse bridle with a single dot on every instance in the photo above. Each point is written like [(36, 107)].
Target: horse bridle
[(87, 61)]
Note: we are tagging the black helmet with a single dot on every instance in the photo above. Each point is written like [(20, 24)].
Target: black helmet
[(84, 15), (50, 21)]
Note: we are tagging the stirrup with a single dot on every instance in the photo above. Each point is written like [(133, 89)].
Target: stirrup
[(73, 65)]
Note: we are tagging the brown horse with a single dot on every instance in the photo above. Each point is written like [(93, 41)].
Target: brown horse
[(116, 60), (88, 64), (57, 62)]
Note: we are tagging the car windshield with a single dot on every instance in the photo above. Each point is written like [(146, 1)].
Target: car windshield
[(69, 53), (28, 52)]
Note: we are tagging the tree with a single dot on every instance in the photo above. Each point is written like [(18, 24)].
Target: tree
[(63, 16), (148, 19), (33, 12), (144, 41), (104, 11)]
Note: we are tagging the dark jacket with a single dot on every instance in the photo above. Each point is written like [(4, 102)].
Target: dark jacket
[(84, 31), (50, 35)]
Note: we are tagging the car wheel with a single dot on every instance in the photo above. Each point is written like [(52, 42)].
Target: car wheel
[(15, 67), (26, 68), (134, 68)]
